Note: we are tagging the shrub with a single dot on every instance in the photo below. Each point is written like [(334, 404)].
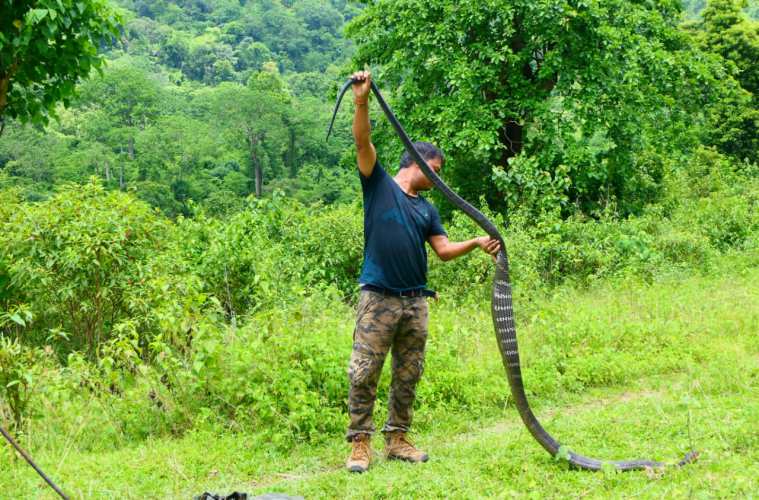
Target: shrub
[(240, 260), (284, 373), (274, 250), (727, 221), (10, 201), (330, 243), (77, 254)]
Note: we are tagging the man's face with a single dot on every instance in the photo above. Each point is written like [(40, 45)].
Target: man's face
[(422, 182)]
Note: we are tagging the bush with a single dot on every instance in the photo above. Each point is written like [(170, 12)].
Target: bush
[(330, 243), (76, 256), (458, 278), (727, 221), (241, 261), (274, 250)]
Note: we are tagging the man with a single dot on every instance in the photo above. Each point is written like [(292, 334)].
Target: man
[(392, 309)]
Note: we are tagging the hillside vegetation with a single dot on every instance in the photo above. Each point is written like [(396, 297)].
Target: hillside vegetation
[(179, 247)]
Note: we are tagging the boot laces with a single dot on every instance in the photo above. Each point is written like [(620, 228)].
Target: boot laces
[(405, 445), (360, 449)]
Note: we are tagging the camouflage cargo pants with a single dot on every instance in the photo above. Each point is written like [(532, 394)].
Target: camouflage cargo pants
[(384, 323)]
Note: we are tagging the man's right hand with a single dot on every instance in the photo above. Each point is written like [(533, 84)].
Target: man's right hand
[(362, 87)]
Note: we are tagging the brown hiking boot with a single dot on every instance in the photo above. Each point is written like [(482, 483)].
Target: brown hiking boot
[(361, 454), (399, 448)]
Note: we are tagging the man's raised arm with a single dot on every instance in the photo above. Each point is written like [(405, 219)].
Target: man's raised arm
[(365, 151)]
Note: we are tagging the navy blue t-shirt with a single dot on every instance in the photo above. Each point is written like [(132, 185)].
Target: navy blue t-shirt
[(396, 226)]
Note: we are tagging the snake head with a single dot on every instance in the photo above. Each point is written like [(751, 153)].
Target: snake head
[(689, 458)]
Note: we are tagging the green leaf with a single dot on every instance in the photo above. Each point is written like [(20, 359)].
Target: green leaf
[(34, 16), (17, 319), (42, 46), (51, 28)]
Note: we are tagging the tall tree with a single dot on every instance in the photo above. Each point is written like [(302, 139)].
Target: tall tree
[(537, 102), (251, 118), (45, 47), (728, 32), (128, 99)]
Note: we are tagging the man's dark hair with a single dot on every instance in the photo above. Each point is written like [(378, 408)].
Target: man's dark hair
[(428, 152)]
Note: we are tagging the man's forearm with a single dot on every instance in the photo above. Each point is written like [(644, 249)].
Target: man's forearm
[(458, 248), (361, 126)]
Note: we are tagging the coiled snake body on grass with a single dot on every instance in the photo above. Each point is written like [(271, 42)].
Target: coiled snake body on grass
[(503, 312)]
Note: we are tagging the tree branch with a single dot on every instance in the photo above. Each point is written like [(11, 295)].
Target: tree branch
[(4, 84)]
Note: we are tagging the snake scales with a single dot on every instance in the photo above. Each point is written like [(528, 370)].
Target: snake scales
[(502, 311)]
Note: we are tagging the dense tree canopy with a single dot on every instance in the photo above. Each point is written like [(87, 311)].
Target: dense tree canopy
[(694, 8), (45, 47), (551, 105), (729, 33), (218, 40), (186, 91), (548, 102)]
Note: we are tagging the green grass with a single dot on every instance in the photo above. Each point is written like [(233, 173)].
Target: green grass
[(624, 370)]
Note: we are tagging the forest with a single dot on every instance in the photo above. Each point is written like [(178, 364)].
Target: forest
[(180, 246)]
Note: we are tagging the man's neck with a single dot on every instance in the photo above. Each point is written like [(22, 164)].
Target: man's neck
[(404, 182)]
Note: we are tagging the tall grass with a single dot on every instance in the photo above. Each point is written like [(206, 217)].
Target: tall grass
[(684, 348)]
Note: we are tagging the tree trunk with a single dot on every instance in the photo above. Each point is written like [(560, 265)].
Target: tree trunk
[(255, 164), (122, 185), (130, 148), (511, 137), (291, 154), (259, 177), (107, 170), (4, 85)]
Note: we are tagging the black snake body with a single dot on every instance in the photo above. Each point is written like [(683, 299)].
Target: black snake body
[(503, 312)]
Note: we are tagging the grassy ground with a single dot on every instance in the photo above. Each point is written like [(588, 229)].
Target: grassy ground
[(617, 399)]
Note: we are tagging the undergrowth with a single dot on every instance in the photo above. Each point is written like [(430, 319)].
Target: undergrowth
[(685, 349)]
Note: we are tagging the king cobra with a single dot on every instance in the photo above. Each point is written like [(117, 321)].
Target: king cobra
[(503, 312)]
